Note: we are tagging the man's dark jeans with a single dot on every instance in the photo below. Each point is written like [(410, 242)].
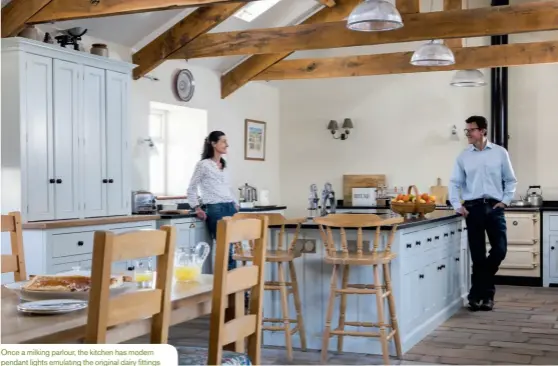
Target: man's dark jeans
[(484, 218)]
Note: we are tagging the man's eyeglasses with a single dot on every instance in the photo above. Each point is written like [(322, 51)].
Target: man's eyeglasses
[(469, 130)]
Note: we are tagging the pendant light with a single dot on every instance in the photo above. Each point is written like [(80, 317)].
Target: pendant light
[(433, 53), (468, 78), (374, 16)]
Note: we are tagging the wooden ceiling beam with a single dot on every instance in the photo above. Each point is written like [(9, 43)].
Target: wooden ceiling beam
[(453, 5), (201, 20), (328, 3), (408, 6), (514, 54), (59, 10), (18, 12), (243, 73), (510, 19)]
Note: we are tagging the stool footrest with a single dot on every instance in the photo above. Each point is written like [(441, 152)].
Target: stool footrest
[(355, 291), (365, 324), (277, 320), (354, 333), (277, 283)]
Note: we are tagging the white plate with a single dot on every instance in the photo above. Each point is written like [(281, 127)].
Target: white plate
[(58, 306), (49, 295)]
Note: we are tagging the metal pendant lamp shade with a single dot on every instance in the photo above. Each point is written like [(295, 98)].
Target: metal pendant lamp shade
[(468, 78), (374, 16), (433, 53)]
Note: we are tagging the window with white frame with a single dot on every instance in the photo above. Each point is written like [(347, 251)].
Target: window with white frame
[(177, 133)]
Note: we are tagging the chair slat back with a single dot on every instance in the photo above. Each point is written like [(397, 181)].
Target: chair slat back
[(231, 285), (14, 262), (358, 222), (275, 219), (105, 312)]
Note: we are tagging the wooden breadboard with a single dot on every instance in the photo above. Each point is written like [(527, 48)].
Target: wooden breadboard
[(441, 193), (360, 181)]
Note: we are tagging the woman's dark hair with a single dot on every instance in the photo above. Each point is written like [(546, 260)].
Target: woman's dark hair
[(208, 151)]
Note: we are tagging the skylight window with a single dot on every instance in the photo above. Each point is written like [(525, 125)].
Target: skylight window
[(254, 9)]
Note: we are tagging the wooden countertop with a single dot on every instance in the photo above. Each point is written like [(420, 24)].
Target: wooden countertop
[(59, 224)]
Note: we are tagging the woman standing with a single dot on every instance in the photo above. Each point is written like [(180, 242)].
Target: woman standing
[(212, 179)]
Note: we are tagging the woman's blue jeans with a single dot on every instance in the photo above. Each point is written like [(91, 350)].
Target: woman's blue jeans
[(216, 212)]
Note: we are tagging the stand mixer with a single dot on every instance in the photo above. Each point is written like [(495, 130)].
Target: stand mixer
[(328, 199)]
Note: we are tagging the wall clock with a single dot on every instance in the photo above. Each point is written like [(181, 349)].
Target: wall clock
[(184, 85)]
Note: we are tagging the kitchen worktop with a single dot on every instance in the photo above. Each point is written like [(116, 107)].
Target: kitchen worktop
[(408, 222), (547, 206), (253, 209)]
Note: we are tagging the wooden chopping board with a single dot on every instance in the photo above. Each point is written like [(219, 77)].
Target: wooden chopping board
[(441, 193), (360, 181)]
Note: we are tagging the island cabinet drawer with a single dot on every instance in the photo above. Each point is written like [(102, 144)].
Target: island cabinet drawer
[(65, 245)]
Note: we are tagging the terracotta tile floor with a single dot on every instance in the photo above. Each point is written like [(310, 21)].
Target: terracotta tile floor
[(522, 329)]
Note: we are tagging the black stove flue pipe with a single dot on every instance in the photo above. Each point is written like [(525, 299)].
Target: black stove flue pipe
[(499, 92)]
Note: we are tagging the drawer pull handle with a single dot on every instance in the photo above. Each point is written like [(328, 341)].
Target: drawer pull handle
[(80, 243), (453, 233), (421, 276), (429, 239), (131, 268), (446, 235), (58, 181), (439, 268), (515, 223), (457, 259), (52, 181), (436, 238), (417, 243), (111, 180), (459, 230), (105, 180), (409, 245), (551, 248)]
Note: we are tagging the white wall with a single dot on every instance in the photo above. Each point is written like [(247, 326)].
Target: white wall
[(402, 126), (258, 101)]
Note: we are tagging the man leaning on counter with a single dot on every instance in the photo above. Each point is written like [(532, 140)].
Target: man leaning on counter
[(484, 176)]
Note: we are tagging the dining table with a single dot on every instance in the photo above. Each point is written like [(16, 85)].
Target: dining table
[(189, 300)]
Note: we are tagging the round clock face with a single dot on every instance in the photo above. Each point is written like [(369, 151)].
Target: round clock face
[(184, 85)]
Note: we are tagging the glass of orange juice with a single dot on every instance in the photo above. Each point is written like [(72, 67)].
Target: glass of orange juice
[(143, 274)]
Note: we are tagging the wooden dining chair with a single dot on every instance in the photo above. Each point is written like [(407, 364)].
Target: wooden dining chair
[(14, 262), (279, 257), (231, 327), (104, 311), (338, 254)]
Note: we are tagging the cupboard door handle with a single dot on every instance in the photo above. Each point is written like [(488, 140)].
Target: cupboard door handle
[(443, 266), (417, 243), (409, 245), (551, 248), (429, 240), (111, 180), (105, 180), (457, 259), (446, 235), (131, 268), (459, 230), (192, 226), (436, 238), (453, 233), (80, 243), (421, 276), (515, 223), (51, 181), (58, 181)]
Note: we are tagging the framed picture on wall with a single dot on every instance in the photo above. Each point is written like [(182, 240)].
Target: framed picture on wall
[(254, 140)]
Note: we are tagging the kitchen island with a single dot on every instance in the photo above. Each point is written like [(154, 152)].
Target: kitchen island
[(430, 278)]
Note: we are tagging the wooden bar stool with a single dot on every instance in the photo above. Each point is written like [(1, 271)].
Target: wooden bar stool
[(280, 256), (380, 287), (14, 262)]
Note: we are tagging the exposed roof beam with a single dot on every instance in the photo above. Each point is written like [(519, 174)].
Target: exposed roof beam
[(59, 10), (17, 12), (243, 73), (408, 6), (527, 17), (453, 5), (196, 23), (514, 54)]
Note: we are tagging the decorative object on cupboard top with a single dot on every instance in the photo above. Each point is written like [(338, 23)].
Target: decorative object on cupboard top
[(65, 151)]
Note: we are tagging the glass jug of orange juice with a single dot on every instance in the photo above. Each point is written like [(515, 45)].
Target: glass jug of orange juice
[(189, 261)]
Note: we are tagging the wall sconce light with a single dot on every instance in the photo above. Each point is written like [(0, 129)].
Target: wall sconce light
[(334, 127)]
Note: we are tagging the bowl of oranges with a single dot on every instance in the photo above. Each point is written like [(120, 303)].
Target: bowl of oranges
[(413, 202)]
